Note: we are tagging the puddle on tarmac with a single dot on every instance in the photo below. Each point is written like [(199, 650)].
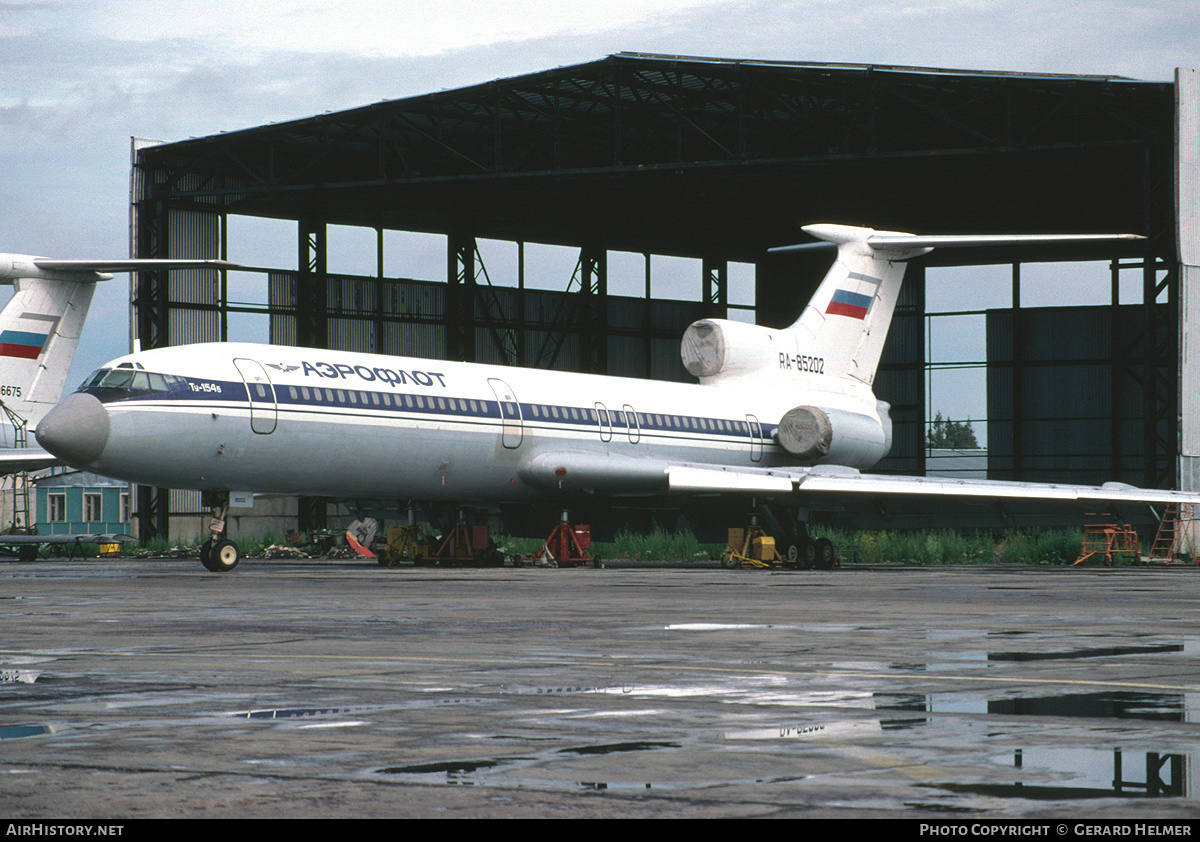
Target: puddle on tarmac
[(1091, 652), (1066, 774), (1112, 704), (616, 748), (290, 713), (10, 676), (16, 732)]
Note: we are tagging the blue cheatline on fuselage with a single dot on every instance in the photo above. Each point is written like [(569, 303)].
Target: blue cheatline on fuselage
[(357, 402)]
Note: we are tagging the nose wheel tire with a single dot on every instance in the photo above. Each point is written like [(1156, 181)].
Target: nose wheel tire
[(219, 556)]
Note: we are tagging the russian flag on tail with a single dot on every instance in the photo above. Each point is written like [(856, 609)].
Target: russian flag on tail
[(847, 303), (22, 344)]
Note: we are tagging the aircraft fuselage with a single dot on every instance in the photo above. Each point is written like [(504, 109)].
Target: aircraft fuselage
[(298, 421)]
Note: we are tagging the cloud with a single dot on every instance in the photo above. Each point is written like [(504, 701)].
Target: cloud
[(78, 79)]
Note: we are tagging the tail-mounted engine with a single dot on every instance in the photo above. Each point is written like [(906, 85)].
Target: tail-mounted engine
[(813, 434), (719, 349)]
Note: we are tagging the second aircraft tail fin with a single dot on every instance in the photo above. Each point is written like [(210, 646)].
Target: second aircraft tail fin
[(41, 325)]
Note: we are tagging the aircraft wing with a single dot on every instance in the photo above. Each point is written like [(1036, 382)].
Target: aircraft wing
[(828, 486), (833, 480), (16, 459)]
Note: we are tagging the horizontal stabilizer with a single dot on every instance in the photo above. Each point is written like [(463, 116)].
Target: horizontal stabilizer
[(831, 235), (886, 241), (16, 459), (128, 265)]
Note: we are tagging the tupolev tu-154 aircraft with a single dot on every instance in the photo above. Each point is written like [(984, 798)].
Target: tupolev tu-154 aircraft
[(784, 414)]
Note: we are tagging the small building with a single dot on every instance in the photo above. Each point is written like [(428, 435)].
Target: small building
[(75, 502)]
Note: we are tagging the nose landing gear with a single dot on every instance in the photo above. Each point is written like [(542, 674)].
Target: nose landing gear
[(218, 554)]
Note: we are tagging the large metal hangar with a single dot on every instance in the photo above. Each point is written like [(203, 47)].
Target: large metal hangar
[(717, 160)]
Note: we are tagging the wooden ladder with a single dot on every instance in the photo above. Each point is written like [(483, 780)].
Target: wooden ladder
[(1166, 541)]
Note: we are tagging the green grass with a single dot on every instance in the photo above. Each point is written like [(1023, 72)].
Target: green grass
[(659, 545), (1059, 547), (1045, 547)]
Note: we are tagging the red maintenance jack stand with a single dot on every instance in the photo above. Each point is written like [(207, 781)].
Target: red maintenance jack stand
[(567, 546), (470, 545)]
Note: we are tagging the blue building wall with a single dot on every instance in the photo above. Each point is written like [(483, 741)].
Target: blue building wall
[(73, 486)]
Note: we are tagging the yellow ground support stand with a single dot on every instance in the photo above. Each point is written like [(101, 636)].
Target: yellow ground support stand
[(404, 543), (751, 546)]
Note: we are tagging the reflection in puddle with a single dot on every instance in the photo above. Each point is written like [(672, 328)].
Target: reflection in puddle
[(1091, 652), (465, 772), (16, 732), (838, 730), (10, 676), (1087, 773), (1167, 707), (1116, 704), (291, 713), (615, 748)]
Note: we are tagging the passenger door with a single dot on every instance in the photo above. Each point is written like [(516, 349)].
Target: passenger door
[(756, 438), (264, 411), (512, 429), (605, 422)]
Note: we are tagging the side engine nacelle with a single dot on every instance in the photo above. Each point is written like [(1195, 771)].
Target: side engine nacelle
[(719, 349), (836, 436)]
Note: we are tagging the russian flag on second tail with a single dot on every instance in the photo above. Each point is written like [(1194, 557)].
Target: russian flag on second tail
[(23, 344), (847, 303)]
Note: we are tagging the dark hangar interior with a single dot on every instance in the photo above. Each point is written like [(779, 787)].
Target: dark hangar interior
[(717, 160)]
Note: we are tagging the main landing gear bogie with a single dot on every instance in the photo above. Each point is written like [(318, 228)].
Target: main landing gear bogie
[(807, 553)]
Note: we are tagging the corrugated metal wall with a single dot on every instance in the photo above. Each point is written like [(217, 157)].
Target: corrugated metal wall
[(535, 328), (1076, 378)]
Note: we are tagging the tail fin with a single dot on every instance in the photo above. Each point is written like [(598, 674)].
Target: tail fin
[(41, 325), (39, 332), (847, 320)]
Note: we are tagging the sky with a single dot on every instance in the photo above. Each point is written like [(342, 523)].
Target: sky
[(80, 78)]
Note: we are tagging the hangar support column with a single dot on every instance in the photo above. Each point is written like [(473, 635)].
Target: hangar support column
[(716, 283), (460, 297), (1187, 216), (593, 309), (312, 327), (312, 324)]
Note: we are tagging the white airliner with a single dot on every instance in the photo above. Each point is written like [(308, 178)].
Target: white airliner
[(785, 414), (39, 333)]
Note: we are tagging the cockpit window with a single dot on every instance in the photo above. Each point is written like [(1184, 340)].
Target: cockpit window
[(125, 381), (120, 378), (94, 379)]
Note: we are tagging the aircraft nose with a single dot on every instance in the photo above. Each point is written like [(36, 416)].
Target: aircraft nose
[(76, 430)]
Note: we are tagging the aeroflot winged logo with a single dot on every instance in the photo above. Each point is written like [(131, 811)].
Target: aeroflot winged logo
[(847, 303)]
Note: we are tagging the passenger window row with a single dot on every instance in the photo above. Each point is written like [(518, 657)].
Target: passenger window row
[(540, 412), (129, 379)]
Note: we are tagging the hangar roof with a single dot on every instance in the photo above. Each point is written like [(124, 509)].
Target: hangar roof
[(706, 157)]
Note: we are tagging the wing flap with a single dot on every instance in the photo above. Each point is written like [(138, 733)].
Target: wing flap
[(809, 483)]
